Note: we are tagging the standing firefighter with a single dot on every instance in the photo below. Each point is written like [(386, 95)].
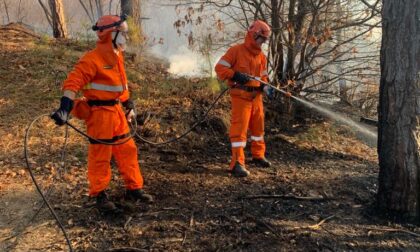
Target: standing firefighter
[(100, 74), (240, 62)]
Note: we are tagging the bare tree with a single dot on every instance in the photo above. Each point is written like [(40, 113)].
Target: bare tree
[(57, 16), (6, 9), (110, 7), (46, 12), (20, 12), (308, 36), (100, 7), (340, 65), (399, 111), (94, 8), (315, 45)]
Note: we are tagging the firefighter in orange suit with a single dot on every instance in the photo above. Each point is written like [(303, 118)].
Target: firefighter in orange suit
[(101, 77), (240, 62)]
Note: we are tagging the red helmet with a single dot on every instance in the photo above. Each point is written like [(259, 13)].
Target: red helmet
[(107, 24), (260, 28)]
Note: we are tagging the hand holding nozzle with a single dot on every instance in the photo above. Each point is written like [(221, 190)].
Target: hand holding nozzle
[(286, 93)]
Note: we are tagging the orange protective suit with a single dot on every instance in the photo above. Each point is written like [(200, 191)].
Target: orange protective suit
[(247, 106), (100, 75)]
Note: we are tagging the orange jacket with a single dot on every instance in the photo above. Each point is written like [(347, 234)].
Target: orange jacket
[(100, 74), (245, 58)]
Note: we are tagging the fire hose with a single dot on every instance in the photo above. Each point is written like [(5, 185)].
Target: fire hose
[(134, 133)]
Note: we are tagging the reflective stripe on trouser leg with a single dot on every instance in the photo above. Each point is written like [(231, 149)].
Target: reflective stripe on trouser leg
[(241, 112), (257, 128)]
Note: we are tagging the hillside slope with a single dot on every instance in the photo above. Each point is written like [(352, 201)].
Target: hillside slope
[(318, 195)]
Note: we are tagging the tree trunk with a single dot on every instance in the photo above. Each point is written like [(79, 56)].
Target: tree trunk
[(342, 85), (276, 45), (399, 110), (57, 14), (132, 9)]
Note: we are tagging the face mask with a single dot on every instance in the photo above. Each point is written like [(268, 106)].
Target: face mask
[(121, 40)]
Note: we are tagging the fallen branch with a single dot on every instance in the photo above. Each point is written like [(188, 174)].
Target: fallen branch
[(263, 223), (127, 249), (264, 196), (127, 222), (19, 30), (318, 225), (27, 230), (394, 230), (189, 228)]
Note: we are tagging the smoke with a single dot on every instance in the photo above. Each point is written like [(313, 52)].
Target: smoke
[(165, 42), (184, 62), (162, 39)]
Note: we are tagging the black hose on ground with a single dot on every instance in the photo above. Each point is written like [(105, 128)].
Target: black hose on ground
[(132, 134), (37, 186)]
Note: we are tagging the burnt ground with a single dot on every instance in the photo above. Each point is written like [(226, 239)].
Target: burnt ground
[(318, 195)]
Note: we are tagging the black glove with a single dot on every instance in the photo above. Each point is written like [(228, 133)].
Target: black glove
[(262, 86), (62, 114), (240, 78), (129, 105)]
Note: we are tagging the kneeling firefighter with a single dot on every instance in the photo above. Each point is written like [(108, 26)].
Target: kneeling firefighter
[(237, 65), (100, 75)]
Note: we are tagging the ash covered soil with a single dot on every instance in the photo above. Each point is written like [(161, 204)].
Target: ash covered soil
[(317, 196)]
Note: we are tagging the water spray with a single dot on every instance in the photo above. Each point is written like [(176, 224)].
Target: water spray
[(372, 136)]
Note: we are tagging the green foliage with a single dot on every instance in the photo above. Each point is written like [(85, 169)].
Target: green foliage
[(215, 86), (135, 33)]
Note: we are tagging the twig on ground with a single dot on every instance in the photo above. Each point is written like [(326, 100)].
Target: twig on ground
[(393, 230), (318, 225), (127, 222), (328, 231), (192, 220), (28, 230), (265, 224), (127, 249), (264, 196), (189, 228)]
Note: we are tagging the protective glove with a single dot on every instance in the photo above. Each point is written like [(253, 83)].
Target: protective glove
[(62, 114), (269, 91), (240, 78), (130, 107)]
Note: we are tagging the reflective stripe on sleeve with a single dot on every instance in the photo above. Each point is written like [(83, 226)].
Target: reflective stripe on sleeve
[(257, 138), (264, 73), (224, 63), (238, 144)]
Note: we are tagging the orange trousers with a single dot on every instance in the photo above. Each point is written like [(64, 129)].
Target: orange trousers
[(247, 113), (108, 123)]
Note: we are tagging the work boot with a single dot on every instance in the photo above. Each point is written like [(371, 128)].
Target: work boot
[(104, 204), (261, 162), (138, 195), (239, 170)]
